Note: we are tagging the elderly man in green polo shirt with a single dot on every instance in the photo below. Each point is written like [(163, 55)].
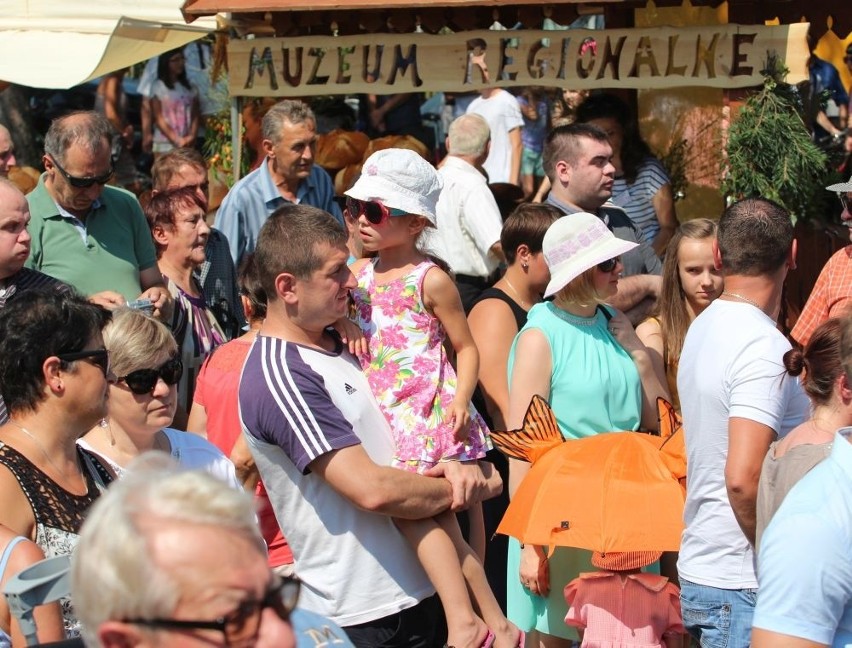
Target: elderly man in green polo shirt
[(91, 236)]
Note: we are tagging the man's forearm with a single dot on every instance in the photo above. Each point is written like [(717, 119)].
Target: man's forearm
[(744, 504), (404, 495)]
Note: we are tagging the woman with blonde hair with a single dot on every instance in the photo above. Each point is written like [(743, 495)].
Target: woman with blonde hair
[(690, 283), (143, 399), (585, 359)]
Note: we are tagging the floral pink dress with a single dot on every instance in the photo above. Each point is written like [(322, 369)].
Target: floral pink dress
[(409, 372)]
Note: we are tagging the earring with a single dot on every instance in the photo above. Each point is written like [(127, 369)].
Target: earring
[(525, 265)]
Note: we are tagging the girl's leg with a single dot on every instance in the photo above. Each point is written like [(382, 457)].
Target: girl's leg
[(440, 560), (477, 531), (507, 635)]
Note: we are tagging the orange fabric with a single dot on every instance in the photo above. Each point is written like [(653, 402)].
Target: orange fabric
[(610, 492), (216, 391), (636, 611), (830, 297)]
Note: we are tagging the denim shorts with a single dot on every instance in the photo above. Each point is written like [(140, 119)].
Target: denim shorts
[(717, 618)]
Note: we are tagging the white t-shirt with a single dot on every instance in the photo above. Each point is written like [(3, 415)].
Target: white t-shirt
[(469, 221), (730, 366), (503, 114), (296, 404)]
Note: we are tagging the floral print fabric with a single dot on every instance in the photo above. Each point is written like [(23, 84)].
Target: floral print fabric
[(410, 373)]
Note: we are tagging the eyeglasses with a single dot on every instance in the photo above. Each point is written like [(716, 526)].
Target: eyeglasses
[(83, 183), (375, 212), (609, 264), (844, 200), (97, 357), (241, 626), (143, 381)]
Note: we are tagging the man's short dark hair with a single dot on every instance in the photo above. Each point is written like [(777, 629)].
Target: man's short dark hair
[(35, 326), (755, 235), (563, 143), (288, 243)]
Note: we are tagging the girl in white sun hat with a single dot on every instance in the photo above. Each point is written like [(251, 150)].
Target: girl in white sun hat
[(585, 359), (407, 306)]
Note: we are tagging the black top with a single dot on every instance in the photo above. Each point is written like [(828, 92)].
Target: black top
[(495, 293)]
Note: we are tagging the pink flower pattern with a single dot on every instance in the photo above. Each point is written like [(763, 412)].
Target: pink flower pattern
[(409, 371)]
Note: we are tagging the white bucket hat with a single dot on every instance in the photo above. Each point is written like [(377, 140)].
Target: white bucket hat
[(400, 179), (576, 243), (841, 187)]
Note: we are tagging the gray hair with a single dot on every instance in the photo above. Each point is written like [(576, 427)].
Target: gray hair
[(135, 340), (289, 110), (86, 128), (113, 575), (468, 135)]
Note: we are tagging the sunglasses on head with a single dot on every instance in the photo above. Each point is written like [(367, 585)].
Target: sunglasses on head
[(609, 264), (375, 212), (97, 357), (143, 381), (83, 183)]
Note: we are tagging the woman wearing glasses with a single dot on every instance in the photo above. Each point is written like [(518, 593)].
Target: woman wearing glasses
[(143, 399), (54, 376), (585, 359)]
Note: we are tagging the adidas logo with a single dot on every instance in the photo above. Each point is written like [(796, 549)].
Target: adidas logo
[(349, 389)]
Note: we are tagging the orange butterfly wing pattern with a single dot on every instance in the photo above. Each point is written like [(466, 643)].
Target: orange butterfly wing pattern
[(539, 433)]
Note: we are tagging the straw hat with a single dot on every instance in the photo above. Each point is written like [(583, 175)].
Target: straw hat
[(576, 243), (400, 179), (624, 560)]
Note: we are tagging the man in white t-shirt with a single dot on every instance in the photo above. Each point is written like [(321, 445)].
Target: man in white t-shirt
[(736, 399), (500, 109), (469, 221), (323, 448)]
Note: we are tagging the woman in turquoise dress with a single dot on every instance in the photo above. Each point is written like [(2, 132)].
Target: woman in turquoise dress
[(586, 360)]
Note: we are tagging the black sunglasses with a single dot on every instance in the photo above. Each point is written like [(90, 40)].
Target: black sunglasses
[(609, 264), (375, 212), (243, 624), (83, 183), (97, 357), (143, 381)]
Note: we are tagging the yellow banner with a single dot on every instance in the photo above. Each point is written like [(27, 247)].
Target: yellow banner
[(721, 56)]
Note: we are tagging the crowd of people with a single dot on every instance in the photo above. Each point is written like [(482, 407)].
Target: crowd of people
[(344, 358)]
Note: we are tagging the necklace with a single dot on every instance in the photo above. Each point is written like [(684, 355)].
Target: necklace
[(577, 320), (522, 301), (44, 452), (741, 298)]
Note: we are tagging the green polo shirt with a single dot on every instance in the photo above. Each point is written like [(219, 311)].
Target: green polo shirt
[(117, 245)]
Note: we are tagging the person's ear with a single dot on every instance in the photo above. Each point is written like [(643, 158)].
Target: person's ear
[(52, 372), (417, 225), (285, 288), (845, 388), (563, 171), (717, 255), (268, 148), (248, 308), (523, 255), (160, 235), (791, 257), (117, 634)]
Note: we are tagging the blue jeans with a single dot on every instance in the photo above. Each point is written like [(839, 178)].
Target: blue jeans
[(717, 618)]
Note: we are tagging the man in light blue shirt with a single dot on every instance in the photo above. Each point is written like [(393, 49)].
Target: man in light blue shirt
[(805, 558), (286, 175)]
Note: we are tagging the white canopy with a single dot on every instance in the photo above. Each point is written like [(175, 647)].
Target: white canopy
[(63, 43)]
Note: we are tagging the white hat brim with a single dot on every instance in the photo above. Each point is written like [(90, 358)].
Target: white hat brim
[(577, 265)]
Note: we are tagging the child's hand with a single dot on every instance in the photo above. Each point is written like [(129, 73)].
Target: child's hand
[(459, 416), (352, 335)]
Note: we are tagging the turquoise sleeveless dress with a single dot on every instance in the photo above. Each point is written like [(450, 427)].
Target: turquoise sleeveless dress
[(594, 388)]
